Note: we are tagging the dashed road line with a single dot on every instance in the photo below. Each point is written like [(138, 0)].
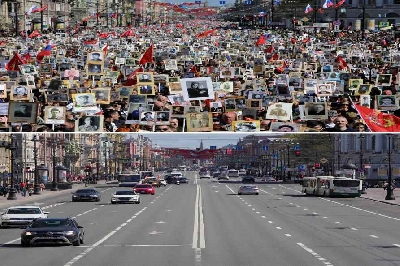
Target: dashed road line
[(316, 255)]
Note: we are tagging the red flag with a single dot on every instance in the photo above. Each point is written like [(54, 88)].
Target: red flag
[(342, 62), (93, 42), (340, 3), (105, 49), (378, 121), (13, 64), (128, 33), (306, 40), (293, 40), (261, 40), (148, 55), (274, 57), (3, 43), (205, 33), (131, 80), (34, 34), (103, 35), (26, 57), (269, 50)]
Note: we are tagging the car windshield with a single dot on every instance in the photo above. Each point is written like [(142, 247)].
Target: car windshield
[(24, 211), (50, 223), (85, 191), (248, 187), (125, 193)]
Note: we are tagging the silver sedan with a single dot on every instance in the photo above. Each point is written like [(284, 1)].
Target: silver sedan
[(248, 190)]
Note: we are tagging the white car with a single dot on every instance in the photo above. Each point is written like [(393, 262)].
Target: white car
[(20, 216), (163, 182), (125, 196)]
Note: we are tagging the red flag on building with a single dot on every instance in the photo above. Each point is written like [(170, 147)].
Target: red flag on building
[(378, 121), (148, 55), (13, 64)]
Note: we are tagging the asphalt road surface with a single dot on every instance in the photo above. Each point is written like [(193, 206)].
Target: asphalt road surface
[(206, 223)]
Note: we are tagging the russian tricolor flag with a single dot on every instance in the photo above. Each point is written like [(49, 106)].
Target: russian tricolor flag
[(308, 9), (45, 52), (328, 4), (33, 9)]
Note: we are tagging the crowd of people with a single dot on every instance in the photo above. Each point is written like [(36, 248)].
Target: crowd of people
[(200, 76)]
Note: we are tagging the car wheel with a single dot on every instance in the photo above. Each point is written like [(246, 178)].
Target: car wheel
[(77, 243), (25, 244), (97, 199), (82, 240), (239, 193), (257, 193), (138, 202), (113, 202)]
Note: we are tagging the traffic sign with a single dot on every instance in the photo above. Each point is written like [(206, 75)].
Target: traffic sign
[(323, 160), (301, 167), (366, 166), (265, 148), (296, 148)]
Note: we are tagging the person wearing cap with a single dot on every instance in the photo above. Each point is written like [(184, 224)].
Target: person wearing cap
[(82, 100), (55, 114), (162, 117), (148, 117), (96, 57), (285, 128), (23, 111)]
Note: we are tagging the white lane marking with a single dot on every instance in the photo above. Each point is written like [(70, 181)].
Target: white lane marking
[(253, 209), (263, 217), (198, 229), (249, 205), (278, 228), (153, 245), (314, 213), (352, 228), (122, 225), (258, 212), (155, 233), (196, 218), (160, 222), (396, 245), (337, 222), (271, 222), (201, 217), (325, 217), (288, 235), (10, 242), (316, 255), (129, 220), (374, 236)]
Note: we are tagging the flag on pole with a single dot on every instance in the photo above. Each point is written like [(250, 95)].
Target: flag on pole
[(148, 55), (14, 63), (328, 4), (45, 52), (308, 9)]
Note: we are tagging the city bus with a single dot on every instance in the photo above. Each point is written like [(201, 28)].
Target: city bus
[(144, 174), (330, 186), (128, 179)]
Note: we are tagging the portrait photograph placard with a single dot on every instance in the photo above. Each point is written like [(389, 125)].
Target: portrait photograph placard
[(316, 110), (20, 93), (28, 70), (284, 127), (96, 56), (54, 115), (45, 69), (114, 96), (95, 68), (144, 89), (84, 101), (230, 104), (4, 108), (246, 126), (56, 98), (279, 111), (102, 95), (3, 91), (138, 99), (145, 78), (197, 89), (90, 123), (22, 112), (199, 122), (254, 103), (363, 89), (125, 91), (147, 118), (171, 64), (383, 80), (386, 102), (162, 117)]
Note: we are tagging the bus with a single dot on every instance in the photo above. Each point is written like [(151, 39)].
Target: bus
[(144, 174), (330, 186), (129, 179)]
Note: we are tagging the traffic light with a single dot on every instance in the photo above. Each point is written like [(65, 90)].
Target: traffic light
[(317, 165), (297, 153)]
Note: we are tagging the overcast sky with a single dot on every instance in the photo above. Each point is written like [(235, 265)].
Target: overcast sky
[(192, 140)]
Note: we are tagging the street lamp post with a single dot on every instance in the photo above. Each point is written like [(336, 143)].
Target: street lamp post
[(363, 22), (361, 169), (53, 150), (12, 193), (389, 188), (36, 187)]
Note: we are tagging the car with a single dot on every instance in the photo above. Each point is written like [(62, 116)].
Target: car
[(86, 194), (223, 176), (163, 183), (205, 174), (125, 196), (144, 189), (248, 190), (21, 216), (183, 180), (248, 179), (152, 181), (64, 231)]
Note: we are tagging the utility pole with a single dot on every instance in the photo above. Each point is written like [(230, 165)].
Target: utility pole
[(41, 16), (98, 13), (12, 193)]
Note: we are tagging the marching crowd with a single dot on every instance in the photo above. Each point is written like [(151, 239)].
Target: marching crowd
[(200, 76)]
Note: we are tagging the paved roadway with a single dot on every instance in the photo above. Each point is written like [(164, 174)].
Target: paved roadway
[(205, 223)]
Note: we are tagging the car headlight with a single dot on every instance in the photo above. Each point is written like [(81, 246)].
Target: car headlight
[(95, 196), (68, 233), (114, 198), (29, 233), (5, 217), (74, 196)]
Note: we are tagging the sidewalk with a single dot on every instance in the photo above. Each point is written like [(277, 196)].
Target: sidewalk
[(4, 203), (378, 194)]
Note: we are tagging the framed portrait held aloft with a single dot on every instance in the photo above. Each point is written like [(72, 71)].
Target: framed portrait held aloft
[(246, 126), (197, 88), (199, 122), (89, 123), (22, 112), (54, 115), (20, 93), (102, 95)]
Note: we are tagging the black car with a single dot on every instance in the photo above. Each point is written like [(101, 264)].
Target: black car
[(183, 180), (53, 231), (248, 179), (86, 194)]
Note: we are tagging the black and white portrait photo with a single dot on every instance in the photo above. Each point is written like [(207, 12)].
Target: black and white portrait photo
[(93, 123), (3, 91), (216, 107), (124, 92), (20, 92), (146, 89), (162, 117), (246, 126), (54, 115), (147, 117), (171, 64), (316, 110), (197, 88), (95, 69), (102, 95), (22, 112), (96, 56), (230, 104), (56, 97), (145, 77)]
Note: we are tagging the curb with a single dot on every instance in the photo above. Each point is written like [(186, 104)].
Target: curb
[(381, 201)]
